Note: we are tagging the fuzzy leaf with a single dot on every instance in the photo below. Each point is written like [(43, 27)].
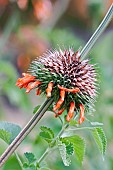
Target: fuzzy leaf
[(46, 133), (78, 146), (30, 157), (9, 131), (5, 136), (100, 139), (63, 153), (36, 109), (69, 146)]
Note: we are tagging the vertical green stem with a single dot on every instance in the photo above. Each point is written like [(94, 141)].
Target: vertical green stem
[(19, 161), (97, 33), (43, 156)]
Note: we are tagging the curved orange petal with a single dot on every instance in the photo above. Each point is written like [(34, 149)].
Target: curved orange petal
[(71, 111)]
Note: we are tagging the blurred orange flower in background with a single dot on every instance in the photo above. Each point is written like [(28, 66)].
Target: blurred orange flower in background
[(42, 9), (22, 4)]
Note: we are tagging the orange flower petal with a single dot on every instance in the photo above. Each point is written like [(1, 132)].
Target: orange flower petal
[(32, 86), (60, 101), (38, 92), (69, 90), (82, 118), (71, 111), (49, 89), (25, 80), (59, 112)]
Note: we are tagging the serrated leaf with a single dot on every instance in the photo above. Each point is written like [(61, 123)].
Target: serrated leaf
[(69, 146), (9, 128), (46, 133), (78, 145), (5, 136), (100, 139), (69, 149), (30, 157), (36, 109), (62, 149)]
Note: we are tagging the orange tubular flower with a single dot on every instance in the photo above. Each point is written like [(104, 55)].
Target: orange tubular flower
[(82, 118), (38, 92), (69, 90), (32, 86), (60, 101), (59, 112), (23, 82), (49, 89), (71, 111)]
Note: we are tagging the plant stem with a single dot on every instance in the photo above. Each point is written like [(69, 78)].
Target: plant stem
[(44, 155), (26, 130), (19, 161), (98, 32), (49, 149)]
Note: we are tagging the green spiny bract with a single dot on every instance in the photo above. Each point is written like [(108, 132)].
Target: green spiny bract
[(68, 70)]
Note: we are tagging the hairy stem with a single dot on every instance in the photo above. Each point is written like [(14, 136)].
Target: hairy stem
[(44, 155), (26, 130), (19, 161), (98, 32)]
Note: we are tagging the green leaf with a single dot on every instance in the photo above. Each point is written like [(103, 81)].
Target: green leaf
[(63, 153), (69, 146), (78, 146), (100, 139), (46, 133), (9, 129), (25, 165), (30, 157), (29, 166), (5, 136), (36, 109)]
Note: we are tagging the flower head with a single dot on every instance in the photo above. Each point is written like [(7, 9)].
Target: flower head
[(65, 77)]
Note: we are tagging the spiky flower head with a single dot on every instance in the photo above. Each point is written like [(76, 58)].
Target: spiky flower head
[(65, 77)]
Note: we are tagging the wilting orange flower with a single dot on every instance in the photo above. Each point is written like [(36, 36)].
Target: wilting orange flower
[(23, 82), (28, 81)]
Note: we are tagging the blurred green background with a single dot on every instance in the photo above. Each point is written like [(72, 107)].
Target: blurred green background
[(27, 29)]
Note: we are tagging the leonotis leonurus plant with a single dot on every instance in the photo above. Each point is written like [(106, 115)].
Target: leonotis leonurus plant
[(65, 77)]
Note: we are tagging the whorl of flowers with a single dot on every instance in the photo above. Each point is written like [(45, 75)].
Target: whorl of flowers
[(63, 76)]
